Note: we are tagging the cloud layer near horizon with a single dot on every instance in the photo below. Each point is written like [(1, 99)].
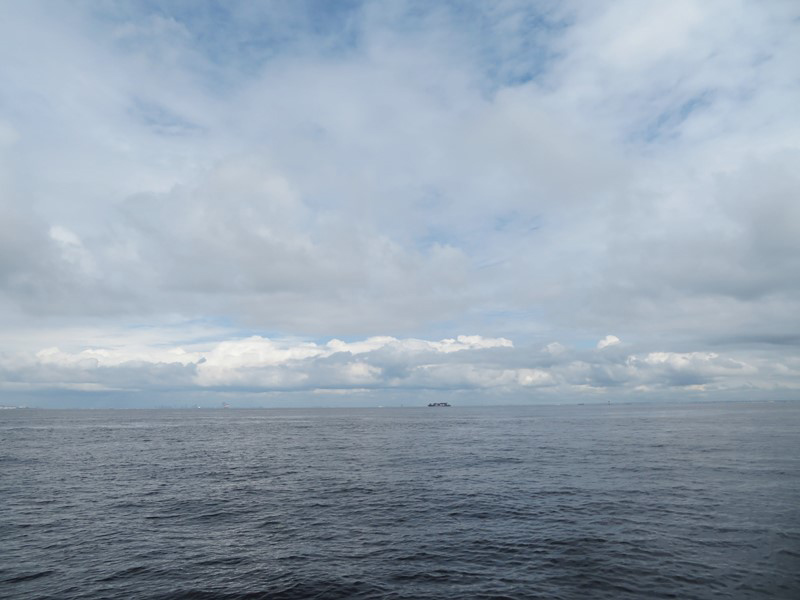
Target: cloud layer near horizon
[(208, 175), (254, 366)]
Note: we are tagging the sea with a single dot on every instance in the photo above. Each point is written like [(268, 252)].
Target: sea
[(578, 501)]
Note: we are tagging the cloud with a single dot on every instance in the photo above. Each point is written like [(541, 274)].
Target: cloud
[(396, 174), (609, 340), (385, 366)]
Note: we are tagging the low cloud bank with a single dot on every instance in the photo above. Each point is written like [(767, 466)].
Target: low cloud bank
[(490, 368)]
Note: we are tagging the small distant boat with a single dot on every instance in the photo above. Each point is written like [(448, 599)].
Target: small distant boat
[(438, 404)]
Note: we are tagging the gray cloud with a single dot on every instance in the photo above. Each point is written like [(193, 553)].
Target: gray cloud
[(255, 366), (537, 171)]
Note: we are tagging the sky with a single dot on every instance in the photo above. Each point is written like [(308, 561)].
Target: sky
[(296, 203)]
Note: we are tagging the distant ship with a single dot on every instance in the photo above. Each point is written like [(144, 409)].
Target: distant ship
[(438, 404)]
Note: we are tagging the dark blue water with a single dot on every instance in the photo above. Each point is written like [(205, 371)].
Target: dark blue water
[(636, 501)]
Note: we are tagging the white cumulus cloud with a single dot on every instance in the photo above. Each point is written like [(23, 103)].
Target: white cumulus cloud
[(609, 340)]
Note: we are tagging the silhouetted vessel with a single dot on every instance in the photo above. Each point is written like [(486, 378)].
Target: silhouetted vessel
[(438, 404)]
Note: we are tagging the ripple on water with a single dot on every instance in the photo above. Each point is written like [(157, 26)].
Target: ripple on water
[(554, 502)]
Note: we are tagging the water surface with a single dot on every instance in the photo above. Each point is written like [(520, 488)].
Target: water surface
[(619, 501)]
